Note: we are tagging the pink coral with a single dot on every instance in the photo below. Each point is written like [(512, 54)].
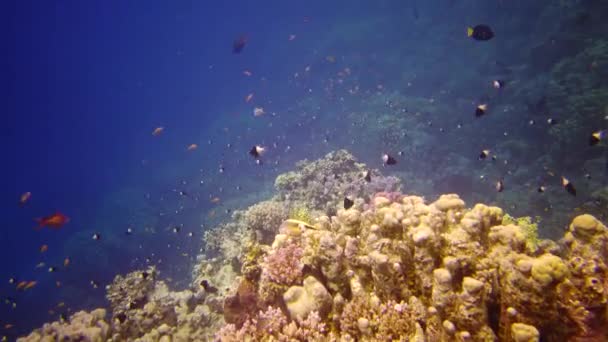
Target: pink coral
[(273, 322), (284, 265)]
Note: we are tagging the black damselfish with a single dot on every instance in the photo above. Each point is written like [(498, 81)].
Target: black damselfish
[(480, 32)]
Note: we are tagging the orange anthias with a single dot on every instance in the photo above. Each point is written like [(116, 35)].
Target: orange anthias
[(55, 221)]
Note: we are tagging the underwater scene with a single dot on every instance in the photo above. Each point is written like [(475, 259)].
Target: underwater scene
[(386, 170)]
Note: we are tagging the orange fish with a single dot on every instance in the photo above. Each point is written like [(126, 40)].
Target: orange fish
[(247, 73), (30, 284), (66, 262), (248, 98), (8, 326), (55, 221), (24, 198), (158, 131), (44, 248), (192, 147), (215, 200), (21, 285)]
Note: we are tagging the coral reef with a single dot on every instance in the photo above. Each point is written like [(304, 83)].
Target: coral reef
[(391, 267), (81, 326), (400, 269), (322, 184)]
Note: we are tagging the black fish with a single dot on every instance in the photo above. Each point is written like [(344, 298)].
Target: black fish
[(348, 203), (239, 44), (484, 154), (208, 287), (256, 151), (388, 160), (481, 110), (480, 32), (368, 176), (568, 186)]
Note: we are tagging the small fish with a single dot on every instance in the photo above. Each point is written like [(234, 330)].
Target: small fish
[(96, 236), (21, 285), (551, 121), (348, 203), (94, 284), (480, 110), (23, 199), (190, 234), (480, 32), (498, 84), (388, 160), (55, 221), (144, 275), (291, 37), (256, 151), (208, 287), (500, 186), (368, 176), (239, 44), (40, 265), (258, 111), (541, 189), (568, 186), (596, 137), (30, 285), (176, 229), (52, 269), (11, 280), (158, 131), (248, 98), (247, 73), (484, 154), (44, 248), (129, 231), (66, 262), (215, 200), (8, 326), (330, 59), (192, 147)]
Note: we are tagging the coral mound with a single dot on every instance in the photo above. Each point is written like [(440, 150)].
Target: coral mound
[(401, 269)]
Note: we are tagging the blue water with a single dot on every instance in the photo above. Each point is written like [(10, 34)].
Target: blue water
[(89, 81)]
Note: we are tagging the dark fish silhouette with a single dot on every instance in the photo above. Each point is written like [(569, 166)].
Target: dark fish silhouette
[(239, 44), (348, 203), (480, 32)]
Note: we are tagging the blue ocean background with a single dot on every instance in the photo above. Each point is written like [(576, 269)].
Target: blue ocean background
[(88, 82)]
